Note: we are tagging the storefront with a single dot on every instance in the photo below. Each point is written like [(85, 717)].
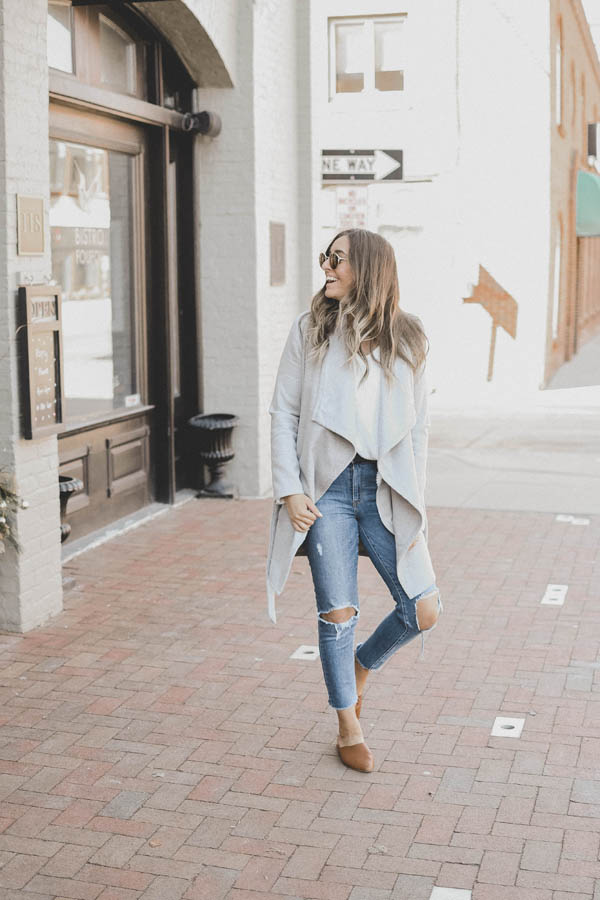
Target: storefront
[(156, 229), (122, 252)]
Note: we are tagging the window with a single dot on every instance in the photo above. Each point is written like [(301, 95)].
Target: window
[(556, 284), (104, 50), (349, 58), (365, 55), (110, 47), (558, 78), (93, 259), (117, 58), (60, 36), (388, 48), (584, 120)]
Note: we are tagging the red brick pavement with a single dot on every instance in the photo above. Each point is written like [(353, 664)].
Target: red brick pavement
[(158, 742)]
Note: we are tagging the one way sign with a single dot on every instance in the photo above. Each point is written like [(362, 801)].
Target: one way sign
[(361, 165)]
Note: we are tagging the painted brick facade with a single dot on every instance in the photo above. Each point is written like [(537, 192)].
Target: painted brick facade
[(30, 583), (254, 174), (250, 63)]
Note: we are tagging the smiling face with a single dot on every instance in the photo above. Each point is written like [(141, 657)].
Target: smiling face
[(339, 281)]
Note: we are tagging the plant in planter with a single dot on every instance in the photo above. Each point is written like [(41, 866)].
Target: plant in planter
[(10, 502)]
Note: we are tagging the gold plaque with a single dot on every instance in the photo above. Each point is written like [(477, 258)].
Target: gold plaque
[(30, 226)]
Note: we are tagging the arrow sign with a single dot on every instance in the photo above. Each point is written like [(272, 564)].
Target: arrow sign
[(361, 165)]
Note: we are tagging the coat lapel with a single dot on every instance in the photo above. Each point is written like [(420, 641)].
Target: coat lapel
[(335, 407), (336, 404)]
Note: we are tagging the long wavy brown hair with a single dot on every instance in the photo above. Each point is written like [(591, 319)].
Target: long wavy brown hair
[(371, 312)]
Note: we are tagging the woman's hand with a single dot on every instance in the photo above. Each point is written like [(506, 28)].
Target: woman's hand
[(301, 510)]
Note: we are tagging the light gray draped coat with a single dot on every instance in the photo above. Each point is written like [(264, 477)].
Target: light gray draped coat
[(313, 425)]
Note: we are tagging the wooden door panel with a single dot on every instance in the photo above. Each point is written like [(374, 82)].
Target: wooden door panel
[(115, 469), (127, 460)]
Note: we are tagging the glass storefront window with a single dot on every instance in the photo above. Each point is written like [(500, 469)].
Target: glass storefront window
[(91, 225), (117, 58), (60, 36)]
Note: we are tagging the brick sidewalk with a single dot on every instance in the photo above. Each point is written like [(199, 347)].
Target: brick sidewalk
[(158, 742)]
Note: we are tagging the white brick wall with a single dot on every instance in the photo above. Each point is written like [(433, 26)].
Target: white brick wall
[(30, 583), (248, 176), (257, 171), (226, 241), (282, 179)]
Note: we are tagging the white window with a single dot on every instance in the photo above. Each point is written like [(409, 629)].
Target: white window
[(366, 54), (556, 286), (558, 80)]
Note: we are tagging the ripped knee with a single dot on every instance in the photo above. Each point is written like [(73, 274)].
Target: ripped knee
[(428, 610), (338, 616)]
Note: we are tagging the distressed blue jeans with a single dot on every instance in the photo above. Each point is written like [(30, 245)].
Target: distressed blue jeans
[(349, 510)]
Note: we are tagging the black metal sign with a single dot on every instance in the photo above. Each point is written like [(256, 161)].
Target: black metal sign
[(361, 165), (42, 357)]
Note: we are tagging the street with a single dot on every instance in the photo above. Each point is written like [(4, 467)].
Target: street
[(159, 742)]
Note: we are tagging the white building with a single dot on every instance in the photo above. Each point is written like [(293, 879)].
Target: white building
[(182, 257), (464, 91), (177, 254)]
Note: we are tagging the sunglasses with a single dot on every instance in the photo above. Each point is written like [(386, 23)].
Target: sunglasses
[(334, 259)]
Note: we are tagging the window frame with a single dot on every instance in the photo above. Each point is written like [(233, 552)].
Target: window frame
[(157, 66), (368, 23), (86, 52), (556, 283), (559, 79), (127, 138)]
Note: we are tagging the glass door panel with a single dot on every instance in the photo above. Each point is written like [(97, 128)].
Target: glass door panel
[(93, 259)]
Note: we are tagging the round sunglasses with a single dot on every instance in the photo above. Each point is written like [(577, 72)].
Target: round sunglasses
[(334, 259)]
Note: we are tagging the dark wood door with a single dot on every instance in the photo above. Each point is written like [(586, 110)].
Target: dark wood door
[(100, 206), (182, 300)]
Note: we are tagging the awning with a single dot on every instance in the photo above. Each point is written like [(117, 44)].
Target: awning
[(588, 204)]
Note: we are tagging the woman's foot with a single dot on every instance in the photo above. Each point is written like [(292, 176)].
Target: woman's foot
[(353, 751), (349, 739), (357, 756), (351, 746)]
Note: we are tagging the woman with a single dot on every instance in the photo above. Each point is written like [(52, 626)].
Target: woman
[(349, 444)]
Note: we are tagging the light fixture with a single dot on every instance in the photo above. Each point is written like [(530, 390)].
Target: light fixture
[(205, 122)]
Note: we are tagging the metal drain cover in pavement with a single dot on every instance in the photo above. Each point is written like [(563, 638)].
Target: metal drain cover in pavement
[(555, 594), (304, 651), (505, 727), (574, 520), (446, 893)]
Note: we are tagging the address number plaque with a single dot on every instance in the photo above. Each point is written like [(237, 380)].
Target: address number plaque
[(40, 307)]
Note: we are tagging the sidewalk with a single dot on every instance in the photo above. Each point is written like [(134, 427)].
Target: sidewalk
[(542, 456), (158, 742)]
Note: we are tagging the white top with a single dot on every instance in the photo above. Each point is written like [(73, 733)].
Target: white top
[(367, 411)]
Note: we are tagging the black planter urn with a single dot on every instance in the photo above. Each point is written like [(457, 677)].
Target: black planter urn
[(212, 444), (67, 487)]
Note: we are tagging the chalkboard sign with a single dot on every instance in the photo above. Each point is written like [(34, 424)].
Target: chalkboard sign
[(42, 359)]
